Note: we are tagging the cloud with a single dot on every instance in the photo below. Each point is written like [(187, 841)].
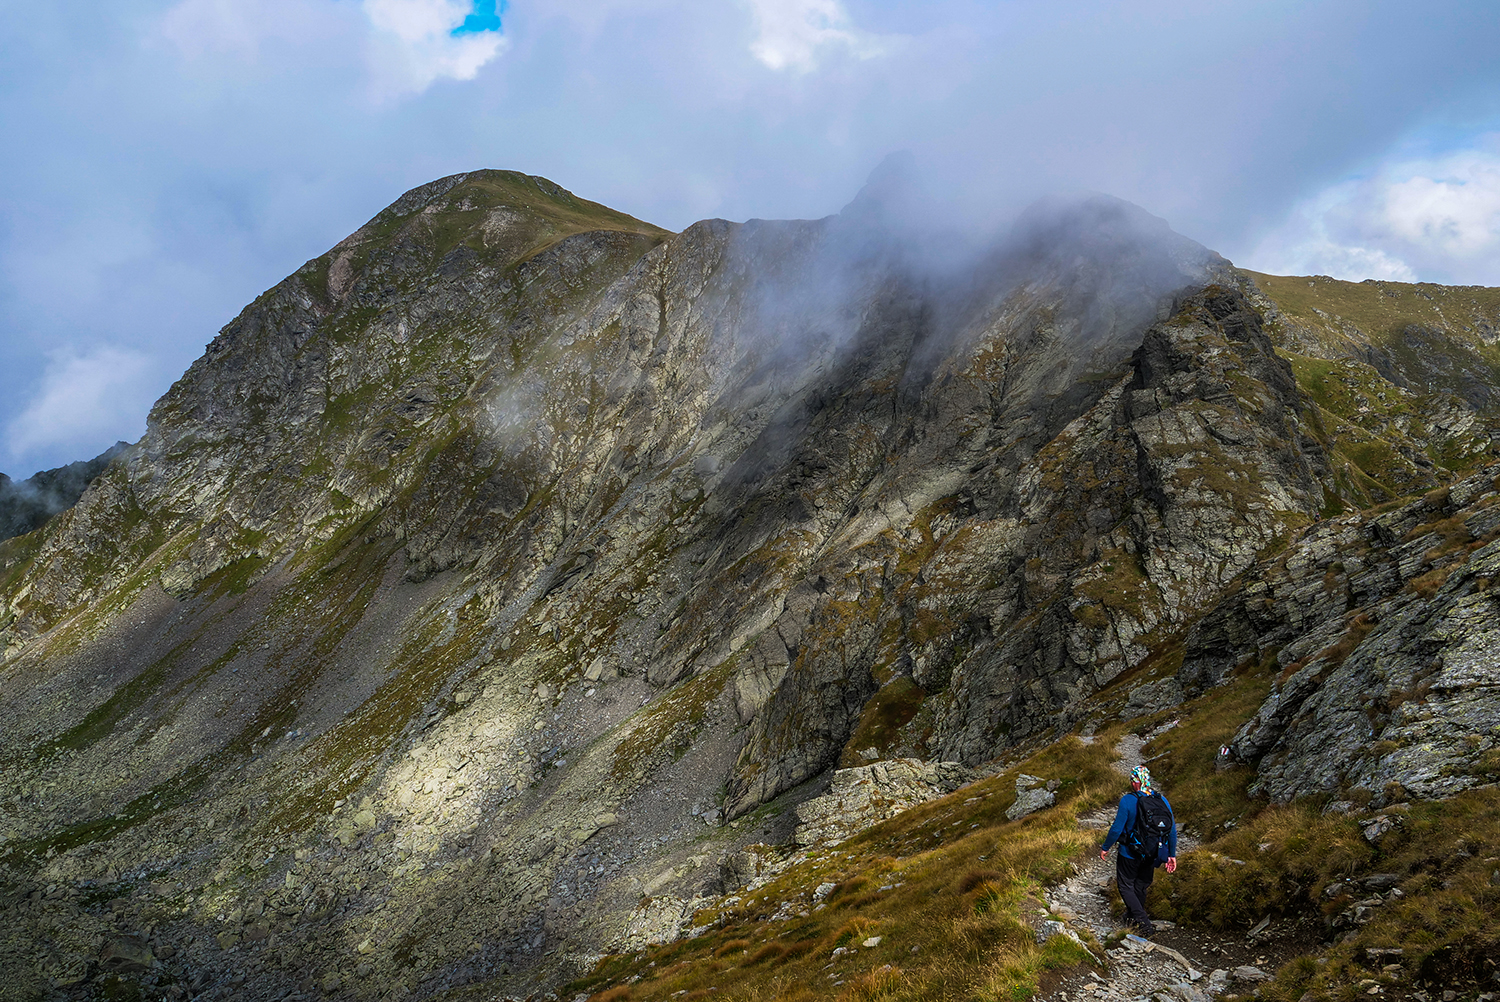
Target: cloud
[(1454, 213), (793, 33), (167, 160), (1430, 219), (409, 44), (84, 399), (239, 28), (417, 42)]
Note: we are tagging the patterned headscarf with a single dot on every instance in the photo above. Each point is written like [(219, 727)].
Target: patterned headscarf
[(1140, 774)]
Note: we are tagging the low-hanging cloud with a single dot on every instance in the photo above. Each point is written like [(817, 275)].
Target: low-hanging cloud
[(794, 34), (1435, 218), (239, 29), (84, 398), (167, 160)]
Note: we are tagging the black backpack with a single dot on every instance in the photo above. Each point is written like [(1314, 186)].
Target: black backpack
[(1153, 827)]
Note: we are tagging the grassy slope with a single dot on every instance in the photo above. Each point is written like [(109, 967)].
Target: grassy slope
[(948, 887), (1372, 427), (1382, 310), (953, 889)]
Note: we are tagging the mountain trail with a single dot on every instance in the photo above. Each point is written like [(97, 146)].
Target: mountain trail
[(1175, 965)]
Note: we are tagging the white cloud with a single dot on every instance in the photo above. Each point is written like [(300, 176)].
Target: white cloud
[(1311, 242), (84, 401), (1432, 219), (414, 44), (408, 44), (793, 33), (1455, 213)]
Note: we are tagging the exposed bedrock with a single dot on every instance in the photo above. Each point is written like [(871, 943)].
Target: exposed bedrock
[(493, 571), (1385, 628)]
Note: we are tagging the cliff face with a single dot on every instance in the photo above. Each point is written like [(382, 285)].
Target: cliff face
[(1384, 630), (479, 563)]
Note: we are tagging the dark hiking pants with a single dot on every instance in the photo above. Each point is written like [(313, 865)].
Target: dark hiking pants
[(1134, 878)]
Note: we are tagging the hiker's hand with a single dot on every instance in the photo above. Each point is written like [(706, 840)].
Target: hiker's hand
[(1171, 864), (1103, 853)]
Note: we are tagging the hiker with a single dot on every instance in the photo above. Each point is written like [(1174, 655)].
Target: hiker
[(1147, 834)]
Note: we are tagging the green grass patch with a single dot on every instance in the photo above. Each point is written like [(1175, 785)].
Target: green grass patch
[(884, 715)]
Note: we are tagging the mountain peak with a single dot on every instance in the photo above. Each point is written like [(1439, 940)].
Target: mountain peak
[(493, 588)]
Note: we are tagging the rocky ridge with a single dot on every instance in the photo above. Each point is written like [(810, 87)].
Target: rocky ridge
[(1384, 629), (25, 506), (517, 560)]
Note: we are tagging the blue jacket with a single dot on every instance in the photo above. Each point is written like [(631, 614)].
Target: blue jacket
[(1123, 830)]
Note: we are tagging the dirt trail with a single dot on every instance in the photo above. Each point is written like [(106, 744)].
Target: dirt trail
[(1176, 965)]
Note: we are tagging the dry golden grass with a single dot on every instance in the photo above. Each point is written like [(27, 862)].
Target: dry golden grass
[(950, 887), (618, 994), (953, 890), (883, 983), (1427, 585), (1446, 922), (1260, 859)]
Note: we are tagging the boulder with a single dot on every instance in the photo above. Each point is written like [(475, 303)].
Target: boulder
[(125, 955), (1248, 975), (864, 795), (1031, 796)]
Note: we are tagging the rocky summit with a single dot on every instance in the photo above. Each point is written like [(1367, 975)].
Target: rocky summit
[(506, 584)]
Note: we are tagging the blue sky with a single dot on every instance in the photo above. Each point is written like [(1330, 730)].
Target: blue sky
[(167, 160)]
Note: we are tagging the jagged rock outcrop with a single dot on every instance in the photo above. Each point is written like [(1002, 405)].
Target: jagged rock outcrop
[(1385, 630), (1142, 510), (25, 506)]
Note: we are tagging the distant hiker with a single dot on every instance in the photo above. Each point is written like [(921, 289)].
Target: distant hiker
[(1147, 834)]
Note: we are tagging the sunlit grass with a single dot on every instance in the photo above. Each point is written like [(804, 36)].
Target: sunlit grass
[(947, 894)]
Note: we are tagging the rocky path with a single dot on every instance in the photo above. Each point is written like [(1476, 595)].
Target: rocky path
[(1175, 965)]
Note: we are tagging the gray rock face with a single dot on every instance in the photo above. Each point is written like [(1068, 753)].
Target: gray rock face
[(1386, 631), (863, 796), (1031, 796), (1191, 465)]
